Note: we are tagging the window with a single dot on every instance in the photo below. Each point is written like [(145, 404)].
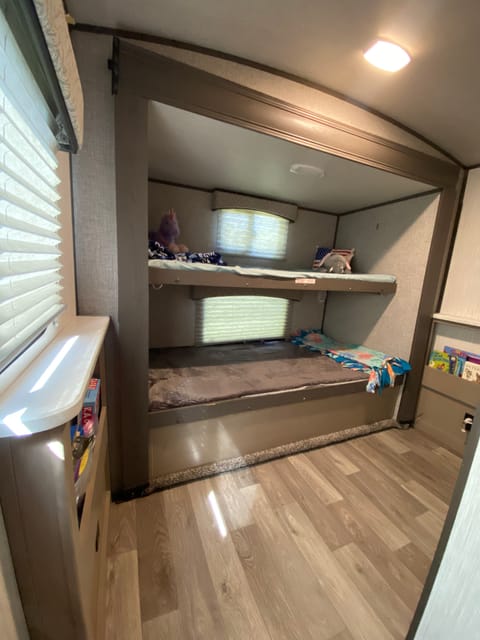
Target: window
[(30, 277), (239, 318), (252, 233)]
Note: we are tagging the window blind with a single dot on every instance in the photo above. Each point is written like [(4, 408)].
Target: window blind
[(30, 268), (237, 318), (252, 233)]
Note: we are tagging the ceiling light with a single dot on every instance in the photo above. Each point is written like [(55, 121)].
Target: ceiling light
[(387, 56), (307, 170)]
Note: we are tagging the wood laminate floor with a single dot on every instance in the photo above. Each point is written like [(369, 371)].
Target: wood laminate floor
[(332, 544)]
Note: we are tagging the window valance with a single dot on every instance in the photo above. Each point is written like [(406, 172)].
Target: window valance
[(229, 200)]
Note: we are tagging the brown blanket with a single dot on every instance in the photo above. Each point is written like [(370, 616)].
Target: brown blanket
[(193, 375)]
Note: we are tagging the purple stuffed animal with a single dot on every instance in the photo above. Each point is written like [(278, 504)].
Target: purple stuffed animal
[(168, 232)]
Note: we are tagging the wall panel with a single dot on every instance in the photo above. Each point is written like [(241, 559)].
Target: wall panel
[(461, 293), (172, 311), (393, 239)]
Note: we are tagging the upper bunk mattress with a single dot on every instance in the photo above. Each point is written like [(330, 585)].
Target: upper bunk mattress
[(185, 376), (258, 272), (197, 273)]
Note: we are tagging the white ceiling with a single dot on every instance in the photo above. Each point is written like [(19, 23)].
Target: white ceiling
[(190, 149), (437, 94)]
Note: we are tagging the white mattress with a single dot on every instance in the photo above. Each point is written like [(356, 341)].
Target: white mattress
[(175, 265)]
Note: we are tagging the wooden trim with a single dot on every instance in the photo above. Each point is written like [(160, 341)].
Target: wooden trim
[(433, 284), (132, 232), (143, 76), (448, 319), (187, 46), (220, 279), (395, 201), (181, 185), (162, 79)]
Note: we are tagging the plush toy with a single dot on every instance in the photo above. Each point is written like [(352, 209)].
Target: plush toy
[(168, 232), (335, 261)]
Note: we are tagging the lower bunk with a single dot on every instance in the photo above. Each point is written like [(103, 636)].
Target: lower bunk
[(214, 409)]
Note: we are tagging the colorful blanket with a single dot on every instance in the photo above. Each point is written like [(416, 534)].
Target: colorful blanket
[(381, 367), (157, 251)]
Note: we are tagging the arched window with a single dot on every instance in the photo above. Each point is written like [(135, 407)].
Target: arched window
[(250, 233)]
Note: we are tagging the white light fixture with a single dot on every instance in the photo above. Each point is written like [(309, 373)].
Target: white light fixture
[(387, 56), (307, 170)]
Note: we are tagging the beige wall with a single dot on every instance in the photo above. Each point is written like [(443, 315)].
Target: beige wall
[(172, 311), (452, 609), (95, 215), (393, 239), (461, 296), (93, 185)]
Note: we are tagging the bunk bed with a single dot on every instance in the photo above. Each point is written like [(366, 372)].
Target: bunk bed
[(213, 408), (198, 274), (153, 449)]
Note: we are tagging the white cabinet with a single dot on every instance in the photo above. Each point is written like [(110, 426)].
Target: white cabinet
[(59, 559)]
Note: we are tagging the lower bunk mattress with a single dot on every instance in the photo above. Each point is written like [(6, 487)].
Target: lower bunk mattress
[(188, 376)]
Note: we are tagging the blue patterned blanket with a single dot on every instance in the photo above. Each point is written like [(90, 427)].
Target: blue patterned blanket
[(382, 368), (157, 251)]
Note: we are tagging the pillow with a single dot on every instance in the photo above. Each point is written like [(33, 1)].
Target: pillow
[(324, 257), (313, 339)]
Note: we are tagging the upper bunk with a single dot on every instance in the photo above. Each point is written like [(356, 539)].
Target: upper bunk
[(176, 272)]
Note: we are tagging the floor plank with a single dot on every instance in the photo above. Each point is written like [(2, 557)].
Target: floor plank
[(122, 529), (241, 615), (366, 508), (427, 498), (347, 599), (312, 475), (122, 610), (158, 591), (395, 572), (319, 619), (165, 627), (333, 544), (332, 530), (199, 610), (383, 600), (342, 461)]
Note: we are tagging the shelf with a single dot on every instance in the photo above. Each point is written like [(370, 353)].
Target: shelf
[(447, 319), (97, 454), (449, 385), (51, 391)]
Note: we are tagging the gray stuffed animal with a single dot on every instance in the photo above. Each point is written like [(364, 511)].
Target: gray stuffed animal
[(335, 263)]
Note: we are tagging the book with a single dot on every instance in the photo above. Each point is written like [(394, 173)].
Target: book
[(439, 360), (461, 353), (462, 357), (471, 372), (91, 408)]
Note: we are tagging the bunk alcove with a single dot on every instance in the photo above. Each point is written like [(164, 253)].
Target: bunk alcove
[(171, 445)]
